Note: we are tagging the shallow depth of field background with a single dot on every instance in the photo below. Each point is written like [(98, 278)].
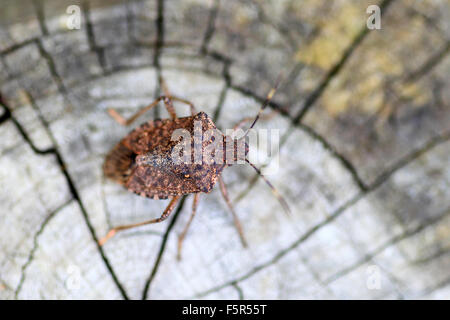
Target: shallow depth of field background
[(364, 119)]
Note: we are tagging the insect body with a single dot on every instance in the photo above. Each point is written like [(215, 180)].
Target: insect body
[(144, 162)]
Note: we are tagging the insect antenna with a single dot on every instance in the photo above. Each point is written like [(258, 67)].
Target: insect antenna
[(265, 104), (275, 192)]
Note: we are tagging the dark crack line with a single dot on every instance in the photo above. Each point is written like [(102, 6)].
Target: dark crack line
[(211, 27), (158, 47), (159, 33), (162, 248), (436, 255), (430, 144), (76, 195), (396, 283), (36, 246), (158, 91), (315, 275), (52, 67), (433, 61), (344, 161), (6, 113), (383, 178), (239, 291), (54, 150), (8, 116), (317, 93), (282, 30), (440, 285), (130, 21), (223, 92), (247, 92), (429, 21), (63, 91), (216, 55), (218, 109), (291, 75), (284, 251), (17, 46), (387, 244), (99, 51), (39, 8), (313, 134)]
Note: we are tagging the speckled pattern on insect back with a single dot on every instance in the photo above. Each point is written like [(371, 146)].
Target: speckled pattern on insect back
[(163, 178)]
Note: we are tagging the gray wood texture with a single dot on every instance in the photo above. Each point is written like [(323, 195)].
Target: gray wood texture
[(364, 117)]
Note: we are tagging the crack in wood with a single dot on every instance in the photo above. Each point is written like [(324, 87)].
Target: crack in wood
[(383, 178), (8, 116), (52, 67), (159, 32), (211, 27), (99, 51), (429, 64), (218, 108), (36, 245), (297, 122), (317, 93), (282, 30), (54, 151), (39, 9), (280, 254), (162, 248), (239, 290), (408, 233), (436, 255), (432, 289)]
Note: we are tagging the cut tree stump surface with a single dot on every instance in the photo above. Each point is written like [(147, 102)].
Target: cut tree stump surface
[(364, 120)]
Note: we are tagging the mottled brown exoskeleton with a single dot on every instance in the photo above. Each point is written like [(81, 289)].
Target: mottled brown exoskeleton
[(142, 162)]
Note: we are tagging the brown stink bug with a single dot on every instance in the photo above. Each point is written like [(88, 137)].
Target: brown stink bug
[(143, 161)]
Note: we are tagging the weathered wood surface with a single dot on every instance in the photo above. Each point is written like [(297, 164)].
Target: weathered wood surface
[(364, 162)]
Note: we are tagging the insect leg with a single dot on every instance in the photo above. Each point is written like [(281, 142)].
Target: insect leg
[(190, 104), (125, 122), (164, 216), (183, 234), (275, 192), (237, 223), (169, 104), (265, 103), (168, 98), (247, 119)]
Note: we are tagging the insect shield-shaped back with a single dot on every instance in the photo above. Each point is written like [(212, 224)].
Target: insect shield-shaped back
[(165, 158)]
